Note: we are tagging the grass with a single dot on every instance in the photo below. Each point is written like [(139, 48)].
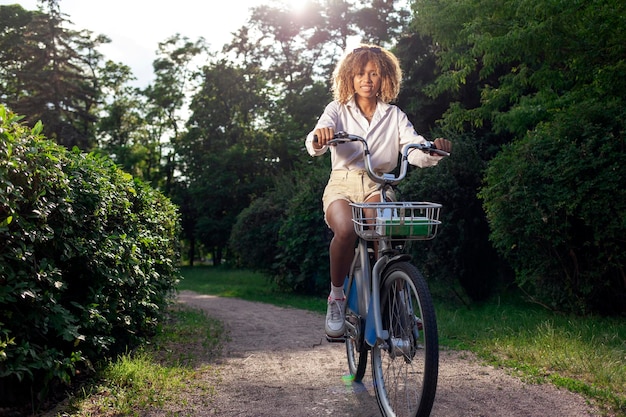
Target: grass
[(160, 376), (583, 354), (246, 285)]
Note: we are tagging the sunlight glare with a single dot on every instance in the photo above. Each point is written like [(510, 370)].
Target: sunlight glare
[(296, 6)]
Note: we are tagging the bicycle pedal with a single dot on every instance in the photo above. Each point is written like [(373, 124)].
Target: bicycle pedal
[(340, 339)]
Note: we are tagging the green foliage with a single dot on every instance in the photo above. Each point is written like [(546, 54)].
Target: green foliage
[(47, 72), (226, 161), (87, 259), (546, 75), (160, 376), (302, 264), (461, 253), (254, 237), (557, 207), (284, 235), (217, 201), (419, 65)]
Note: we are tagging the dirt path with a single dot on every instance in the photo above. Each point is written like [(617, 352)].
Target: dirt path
[(277, 363)]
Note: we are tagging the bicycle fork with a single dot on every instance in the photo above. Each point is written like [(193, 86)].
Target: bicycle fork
[(357, 289), (363, 298), (401, 343)]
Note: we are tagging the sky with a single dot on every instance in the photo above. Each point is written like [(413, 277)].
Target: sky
[(136, 27)]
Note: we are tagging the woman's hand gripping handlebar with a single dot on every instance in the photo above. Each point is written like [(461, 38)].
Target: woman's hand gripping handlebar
[(440, 147)]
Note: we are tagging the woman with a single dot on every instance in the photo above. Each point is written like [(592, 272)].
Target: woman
[(365, 81)]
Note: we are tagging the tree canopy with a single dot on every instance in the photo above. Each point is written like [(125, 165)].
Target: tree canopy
[(550, 85), (531, 92), (49, 73)]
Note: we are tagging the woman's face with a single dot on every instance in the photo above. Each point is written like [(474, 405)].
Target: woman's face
[(367, 82)]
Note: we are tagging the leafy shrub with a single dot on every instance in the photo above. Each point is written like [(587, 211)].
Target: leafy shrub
[(284, 234), (254, 237), (461, 254), (302, 264), (87, 260), (556, 203)]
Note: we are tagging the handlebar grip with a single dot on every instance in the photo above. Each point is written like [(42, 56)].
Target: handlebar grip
[(430, 147), (440, 152), (435, 150), (337, 138)]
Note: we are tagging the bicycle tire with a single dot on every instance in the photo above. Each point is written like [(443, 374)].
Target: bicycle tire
[(356, 349), (356, 352), (405, 368)]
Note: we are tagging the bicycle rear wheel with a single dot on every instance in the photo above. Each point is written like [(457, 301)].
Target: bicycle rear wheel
[(356, 348), (405, 367)]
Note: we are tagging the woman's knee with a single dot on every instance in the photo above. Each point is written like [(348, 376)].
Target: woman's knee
[(345, 232), (339, 217)]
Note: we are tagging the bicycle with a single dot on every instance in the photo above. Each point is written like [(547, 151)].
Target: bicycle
[(389, 310)]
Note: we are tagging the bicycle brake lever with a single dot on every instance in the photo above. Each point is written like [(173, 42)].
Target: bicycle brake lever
[(431, 148)]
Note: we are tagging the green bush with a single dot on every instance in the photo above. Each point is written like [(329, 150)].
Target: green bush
[(302, 264), (284, 234), (460, 260), (87, 260), (556, 203), (254, 237)]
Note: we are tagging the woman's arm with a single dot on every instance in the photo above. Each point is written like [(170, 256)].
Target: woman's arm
[(328, 119)]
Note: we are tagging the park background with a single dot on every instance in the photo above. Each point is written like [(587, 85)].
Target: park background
[(530, 92)]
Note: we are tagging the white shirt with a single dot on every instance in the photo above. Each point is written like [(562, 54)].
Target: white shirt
[(387, 134)]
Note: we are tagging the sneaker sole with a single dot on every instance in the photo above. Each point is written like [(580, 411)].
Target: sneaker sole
[(341, 339)]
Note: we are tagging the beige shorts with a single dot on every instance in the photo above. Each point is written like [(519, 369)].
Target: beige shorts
[(352, 186)]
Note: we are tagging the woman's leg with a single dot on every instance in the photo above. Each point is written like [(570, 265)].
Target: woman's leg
[(339, 218), (371, 214)]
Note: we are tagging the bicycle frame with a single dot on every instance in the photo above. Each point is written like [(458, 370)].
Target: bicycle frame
[(363, 289), (367, 285)]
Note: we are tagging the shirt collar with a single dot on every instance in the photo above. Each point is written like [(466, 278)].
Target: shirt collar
[(381, 105)]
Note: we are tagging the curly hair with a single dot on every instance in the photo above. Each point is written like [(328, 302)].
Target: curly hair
[(386, 63)]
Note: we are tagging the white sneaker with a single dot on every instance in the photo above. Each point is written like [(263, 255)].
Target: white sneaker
[(335, 322)]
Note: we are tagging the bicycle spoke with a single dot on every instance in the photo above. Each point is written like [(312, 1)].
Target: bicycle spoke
[(405, 367)]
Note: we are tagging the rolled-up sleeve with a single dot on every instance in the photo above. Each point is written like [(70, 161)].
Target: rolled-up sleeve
[(408, 135), (309, 146), (327, 119)]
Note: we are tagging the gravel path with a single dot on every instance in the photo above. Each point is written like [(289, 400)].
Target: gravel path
[(278, 363)]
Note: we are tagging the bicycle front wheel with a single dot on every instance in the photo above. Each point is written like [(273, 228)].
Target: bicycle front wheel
[(405, 367)]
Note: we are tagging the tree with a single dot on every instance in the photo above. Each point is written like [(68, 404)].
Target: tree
[(224, 156), (418, 61), (382, 21), (543, 68), (167, 101), (457, 256), (122, 123), (293, 47), (49, 73), (556, 206)]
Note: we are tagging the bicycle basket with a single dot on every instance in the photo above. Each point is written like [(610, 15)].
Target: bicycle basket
[(396, 220)]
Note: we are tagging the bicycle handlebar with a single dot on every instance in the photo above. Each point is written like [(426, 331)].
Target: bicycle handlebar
[(428, 147)]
